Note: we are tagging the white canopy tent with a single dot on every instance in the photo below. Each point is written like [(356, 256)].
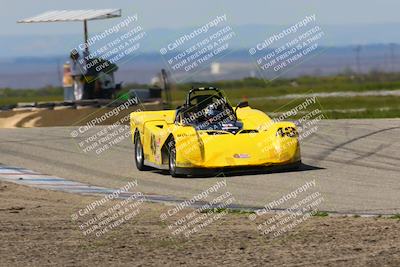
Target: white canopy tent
[(74, 15)]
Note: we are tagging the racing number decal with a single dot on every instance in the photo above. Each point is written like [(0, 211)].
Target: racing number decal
[(288, 131)]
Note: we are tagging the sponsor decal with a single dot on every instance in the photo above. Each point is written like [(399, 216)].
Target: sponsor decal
[(241, 156), (227, 126)]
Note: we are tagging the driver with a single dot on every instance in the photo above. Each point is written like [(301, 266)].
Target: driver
[(210, 112)]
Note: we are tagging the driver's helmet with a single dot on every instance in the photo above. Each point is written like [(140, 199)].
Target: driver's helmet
[(210, 111)]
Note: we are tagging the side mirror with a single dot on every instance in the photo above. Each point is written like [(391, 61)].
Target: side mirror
[(242, 104)]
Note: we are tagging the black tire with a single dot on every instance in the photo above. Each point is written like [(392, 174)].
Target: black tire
[(139, 156), (172, 159)]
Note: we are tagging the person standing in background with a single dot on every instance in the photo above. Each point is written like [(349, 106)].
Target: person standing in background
[(77, 73), (68, 82)]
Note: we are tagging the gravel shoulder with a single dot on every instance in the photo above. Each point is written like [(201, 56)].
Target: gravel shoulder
[(36, 229)]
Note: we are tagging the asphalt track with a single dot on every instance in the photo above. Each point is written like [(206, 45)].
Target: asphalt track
[(355, 164)]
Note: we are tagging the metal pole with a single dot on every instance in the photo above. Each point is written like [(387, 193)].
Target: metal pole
[(86, 36), (167, 88)]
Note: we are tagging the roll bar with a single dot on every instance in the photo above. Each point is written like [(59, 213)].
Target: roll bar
[(201, 89)]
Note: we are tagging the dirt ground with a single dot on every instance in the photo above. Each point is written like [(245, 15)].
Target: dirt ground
[(65, 117), (36, 229), (46, 118)]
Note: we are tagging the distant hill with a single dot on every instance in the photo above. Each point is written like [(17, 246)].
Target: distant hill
[(38, 71)]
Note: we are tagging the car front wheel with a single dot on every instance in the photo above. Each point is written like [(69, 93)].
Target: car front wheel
[(172, 159), (139, 156)]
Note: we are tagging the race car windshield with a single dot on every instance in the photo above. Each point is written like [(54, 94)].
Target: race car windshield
[(207, 109)]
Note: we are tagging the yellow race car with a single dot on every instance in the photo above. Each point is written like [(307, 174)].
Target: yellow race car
[(206, 135)]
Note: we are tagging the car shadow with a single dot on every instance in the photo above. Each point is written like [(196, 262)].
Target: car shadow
[(301, 168), (243, 172)]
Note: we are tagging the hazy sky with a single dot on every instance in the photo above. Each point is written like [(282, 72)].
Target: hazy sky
[(181, 13)]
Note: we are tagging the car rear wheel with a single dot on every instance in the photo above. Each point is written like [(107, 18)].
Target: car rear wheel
[(139, 156)]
